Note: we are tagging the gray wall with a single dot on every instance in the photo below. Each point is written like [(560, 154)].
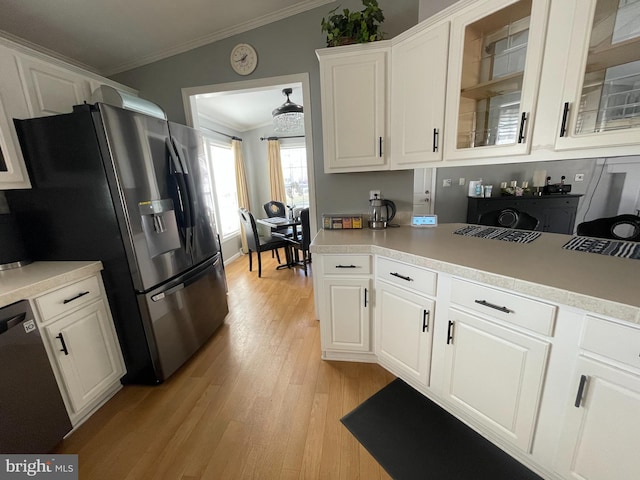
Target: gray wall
[(284, 47)]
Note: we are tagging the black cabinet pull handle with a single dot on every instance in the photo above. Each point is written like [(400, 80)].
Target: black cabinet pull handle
[(69, 300), (403, 277), (425, 321), (450, 333), (583, 382), (436, 134), (484, 303), (345, 266), (565, 115), (523, 119), (64, 345), (380, 146), (365, 297)]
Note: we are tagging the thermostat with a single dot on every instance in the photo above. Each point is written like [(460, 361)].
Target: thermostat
[(424, 221)]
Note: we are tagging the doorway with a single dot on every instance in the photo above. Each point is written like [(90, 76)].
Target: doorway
[(243, 110)]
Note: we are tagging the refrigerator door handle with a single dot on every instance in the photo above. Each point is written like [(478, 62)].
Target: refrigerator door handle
[(176, 170), (189, 194)]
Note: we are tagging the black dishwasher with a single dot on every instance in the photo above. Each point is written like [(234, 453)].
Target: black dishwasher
[(33, 418)]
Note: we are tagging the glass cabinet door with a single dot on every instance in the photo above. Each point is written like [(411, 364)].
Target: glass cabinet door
[(495, 60), (602, 105)]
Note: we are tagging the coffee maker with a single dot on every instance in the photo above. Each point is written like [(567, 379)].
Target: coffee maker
[(381, 212)]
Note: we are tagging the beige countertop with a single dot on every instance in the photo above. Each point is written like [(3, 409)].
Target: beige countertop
[(596, 283), (38, 277)]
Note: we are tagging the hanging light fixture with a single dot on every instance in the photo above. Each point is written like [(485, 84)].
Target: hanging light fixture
[(288, 118)]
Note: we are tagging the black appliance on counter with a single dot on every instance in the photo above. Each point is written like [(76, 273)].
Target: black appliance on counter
[(132, 191)]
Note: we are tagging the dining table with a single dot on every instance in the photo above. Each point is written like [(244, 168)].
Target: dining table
[(274, 223)]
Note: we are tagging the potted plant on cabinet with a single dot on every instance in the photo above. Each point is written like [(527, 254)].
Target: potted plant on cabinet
[(354, 27)]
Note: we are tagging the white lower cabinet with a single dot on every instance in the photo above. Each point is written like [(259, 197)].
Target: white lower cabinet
[(345, 310), (404, 332), (600, 433), (494, 375), (86, 354), (82, 344)]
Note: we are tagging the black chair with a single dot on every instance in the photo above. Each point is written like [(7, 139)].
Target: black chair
[(621, 227), (275, 209), (278, 209), (256, 243), (304, 241), (508, 218)]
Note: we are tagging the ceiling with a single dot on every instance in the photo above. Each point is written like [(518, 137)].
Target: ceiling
[(243, 110), (112, 36)]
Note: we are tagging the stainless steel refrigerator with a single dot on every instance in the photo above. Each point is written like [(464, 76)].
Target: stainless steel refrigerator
[(132, 191)]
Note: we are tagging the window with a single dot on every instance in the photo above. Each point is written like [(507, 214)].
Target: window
[(222, 166), (294, 172)]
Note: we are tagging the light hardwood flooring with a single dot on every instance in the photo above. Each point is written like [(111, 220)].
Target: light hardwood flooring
[(256, 401)]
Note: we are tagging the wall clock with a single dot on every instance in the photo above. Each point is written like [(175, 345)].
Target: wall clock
[(244, 58)]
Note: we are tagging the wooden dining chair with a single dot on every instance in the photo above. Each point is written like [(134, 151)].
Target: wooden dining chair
[(256, 243)]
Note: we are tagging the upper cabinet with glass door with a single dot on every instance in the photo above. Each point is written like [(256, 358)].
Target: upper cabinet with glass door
[(494, 66), (602, 80)]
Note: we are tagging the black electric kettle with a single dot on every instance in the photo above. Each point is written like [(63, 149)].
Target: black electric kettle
[(381, 212)]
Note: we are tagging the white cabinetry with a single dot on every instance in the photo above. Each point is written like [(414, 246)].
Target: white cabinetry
[(602, 78), (13, 173), (345, 311), (495, 58), (418, 84), (493, 373), (82, 344), (51, 89), (34, 85), (599, 435), (354, 107), (405, 311)]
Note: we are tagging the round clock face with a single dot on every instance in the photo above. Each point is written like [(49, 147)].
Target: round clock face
[(244, 59)]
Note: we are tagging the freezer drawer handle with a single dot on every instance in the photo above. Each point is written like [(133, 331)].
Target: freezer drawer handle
[(64, 345), (403, 277), (170, 291), (484, 303), (81, 294)]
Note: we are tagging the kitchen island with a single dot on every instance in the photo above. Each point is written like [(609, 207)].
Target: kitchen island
[(542, 268), (534, 346)]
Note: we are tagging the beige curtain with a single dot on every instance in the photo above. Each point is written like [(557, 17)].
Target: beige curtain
[(275, 171), (241, 185)]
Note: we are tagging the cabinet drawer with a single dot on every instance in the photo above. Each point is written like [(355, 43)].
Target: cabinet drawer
[(618, 342), (66, 298), (526, 313), (406, 276), (346, 264)]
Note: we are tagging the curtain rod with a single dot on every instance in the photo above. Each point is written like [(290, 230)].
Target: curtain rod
[(278, 138), (232, 137)]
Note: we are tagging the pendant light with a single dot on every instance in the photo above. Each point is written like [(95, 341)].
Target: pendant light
[(288, 118)]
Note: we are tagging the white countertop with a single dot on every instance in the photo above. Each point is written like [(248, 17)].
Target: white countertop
[(596, 283), (38, 277)]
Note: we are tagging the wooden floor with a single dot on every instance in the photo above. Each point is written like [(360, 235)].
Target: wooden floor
[(255, 402)]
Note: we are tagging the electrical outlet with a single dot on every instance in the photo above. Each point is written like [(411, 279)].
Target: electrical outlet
[(446, 182), (579, 177), (461, 182), (373, 193)]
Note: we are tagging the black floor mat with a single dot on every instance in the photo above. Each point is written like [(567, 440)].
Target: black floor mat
[(413, 438)]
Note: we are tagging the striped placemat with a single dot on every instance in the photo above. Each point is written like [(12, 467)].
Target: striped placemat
[(613, 248), (497, 233)]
